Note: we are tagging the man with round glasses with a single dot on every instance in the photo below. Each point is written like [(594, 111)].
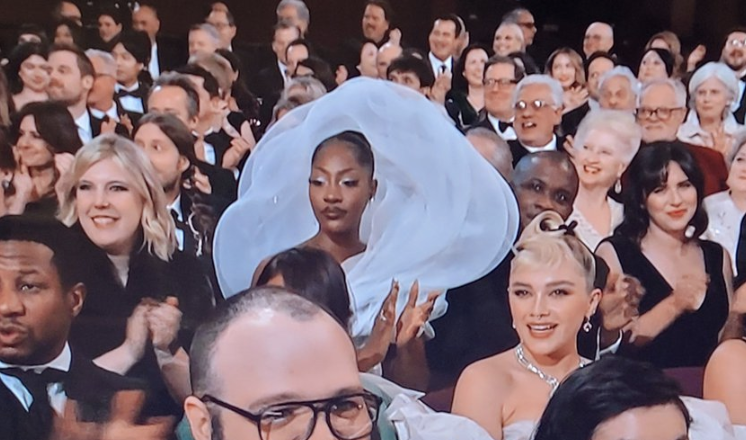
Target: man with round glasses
[(271, 365), (537, 103), (734, 55), (660, 113)]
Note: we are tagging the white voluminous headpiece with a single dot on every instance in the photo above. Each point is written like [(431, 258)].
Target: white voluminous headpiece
[(441, 214)]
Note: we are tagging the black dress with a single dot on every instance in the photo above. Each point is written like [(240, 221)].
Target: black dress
[(461, 110), (688, 341), (102, 322)]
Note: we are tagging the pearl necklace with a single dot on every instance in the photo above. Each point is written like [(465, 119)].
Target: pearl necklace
[(550, 380)]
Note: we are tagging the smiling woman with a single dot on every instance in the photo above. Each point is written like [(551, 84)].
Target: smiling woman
[(139, 285), (552, 295), (687, 280)]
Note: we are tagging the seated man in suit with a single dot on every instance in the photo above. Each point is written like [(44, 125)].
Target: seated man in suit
[(501, 74), (70, 82), (175, 94), (40, 295), (734, 55), (272, 359), (537, 103), (661, 112), (165, 54)]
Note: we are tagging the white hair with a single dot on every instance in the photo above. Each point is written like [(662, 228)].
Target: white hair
[(721, 72), (634, 83), (618, 123), (110, 64), (313, 87), (675, 84), (516, 30), (210, 30), (300, 6), (553, 84)]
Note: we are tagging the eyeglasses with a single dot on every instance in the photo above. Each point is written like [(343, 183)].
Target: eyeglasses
[(349, 417), (501, 83), (662, 113), (536, 104), (737, 43)]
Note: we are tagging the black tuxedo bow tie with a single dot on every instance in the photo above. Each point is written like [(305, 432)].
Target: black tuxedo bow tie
[(46, 376), (123, 93), (502, 125)]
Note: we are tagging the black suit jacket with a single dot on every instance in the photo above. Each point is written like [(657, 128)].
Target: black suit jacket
[(519, 151), (267, 86), (96, 123), (740, 112), (172, 53), (90, 386)]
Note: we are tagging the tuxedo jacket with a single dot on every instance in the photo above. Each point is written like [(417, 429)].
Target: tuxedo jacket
[(142, 94), (267, 86), (519, 151), (87, 384), (96, 123)]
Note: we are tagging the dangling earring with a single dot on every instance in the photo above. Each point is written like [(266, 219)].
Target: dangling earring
[(689, 232), (587, 326), (512, 324), (618, 186)]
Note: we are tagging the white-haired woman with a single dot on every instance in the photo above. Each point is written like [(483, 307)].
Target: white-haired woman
[(508, 39), (113, 196), (605, 144), (710, 122), (726, 208)]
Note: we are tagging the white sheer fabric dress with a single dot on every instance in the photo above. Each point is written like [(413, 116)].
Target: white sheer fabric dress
[(441, 214)]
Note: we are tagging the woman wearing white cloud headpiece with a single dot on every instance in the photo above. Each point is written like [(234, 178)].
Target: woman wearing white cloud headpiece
[(423, 206)]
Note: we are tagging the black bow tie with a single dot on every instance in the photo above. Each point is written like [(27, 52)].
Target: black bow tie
[(46, 376), (502, 125), (133, 93)]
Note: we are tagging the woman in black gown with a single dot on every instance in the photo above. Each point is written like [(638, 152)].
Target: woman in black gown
[(688, 281)]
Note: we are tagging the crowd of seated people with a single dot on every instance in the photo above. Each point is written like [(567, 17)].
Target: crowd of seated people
[(465, 240)]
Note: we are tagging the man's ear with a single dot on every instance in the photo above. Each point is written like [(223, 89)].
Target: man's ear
[(76, 296), (87, 82), (199, 418)]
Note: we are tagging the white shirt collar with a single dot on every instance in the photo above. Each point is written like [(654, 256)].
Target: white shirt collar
[(436, 63), (83, 122), (118, 87), (154, 67), (551, 146), (112, 112), (176, 206), (283, 71), (61, 362)]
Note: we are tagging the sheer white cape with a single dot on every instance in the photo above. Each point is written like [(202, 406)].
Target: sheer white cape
[(441, 215)]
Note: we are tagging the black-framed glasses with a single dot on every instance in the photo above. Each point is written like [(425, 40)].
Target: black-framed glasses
[(501, 83), (349, 417), (662, 113), (536, 104)]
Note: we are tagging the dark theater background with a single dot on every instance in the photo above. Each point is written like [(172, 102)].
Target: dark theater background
[(561, 22)]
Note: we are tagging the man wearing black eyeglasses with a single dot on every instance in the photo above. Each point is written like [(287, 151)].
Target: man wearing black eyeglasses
[(734, 55), (271, 365), (660, 113)]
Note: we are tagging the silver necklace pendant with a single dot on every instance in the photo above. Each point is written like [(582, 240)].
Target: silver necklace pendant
[(550, 380)]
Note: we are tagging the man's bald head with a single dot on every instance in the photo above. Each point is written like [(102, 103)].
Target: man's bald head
[(599, 37), (386, 54), (544, 181), (493, 148)]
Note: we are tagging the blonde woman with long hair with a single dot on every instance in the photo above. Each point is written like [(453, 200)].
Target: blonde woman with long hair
[(141, 290)]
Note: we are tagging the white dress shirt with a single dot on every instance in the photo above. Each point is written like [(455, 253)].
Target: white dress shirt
[(209, 149), (436, 64), (724, 226), (111, 113), (130, 103), (284, 72), (57, 396), (551, 146), (508, 134), (85, 132), (153, 67)]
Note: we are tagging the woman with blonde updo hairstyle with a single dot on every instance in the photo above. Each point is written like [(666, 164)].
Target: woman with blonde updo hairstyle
[(145, 298), (552, 296)]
